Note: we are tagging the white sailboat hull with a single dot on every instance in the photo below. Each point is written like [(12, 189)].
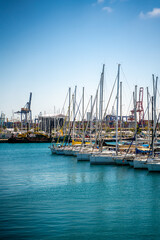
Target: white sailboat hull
[(121, 161), (53, 150), (83, 156), (74, 153), (68, 152), (59, 151), (153, 167), (131, 163), (102, 160), (140, 163)]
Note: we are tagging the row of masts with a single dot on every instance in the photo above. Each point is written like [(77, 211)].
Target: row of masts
[(95, 102), (104, 155), (101, 118)]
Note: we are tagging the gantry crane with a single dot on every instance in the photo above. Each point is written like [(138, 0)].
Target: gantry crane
[(26, 114), (139, 108)]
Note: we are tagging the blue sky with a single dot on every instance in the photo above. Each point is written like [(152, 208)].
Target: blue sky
[(47, 46)]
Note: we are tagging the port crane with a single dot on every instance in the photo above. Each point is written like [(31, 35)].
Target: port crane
[(25, 112), (139, 108)]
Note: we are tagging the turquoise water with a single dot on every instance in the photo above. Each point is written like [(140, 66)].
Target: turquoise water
[(44, 196)]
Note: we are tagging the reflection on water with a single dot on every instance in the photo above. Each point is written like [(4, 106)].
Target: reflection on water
[(45, 196)]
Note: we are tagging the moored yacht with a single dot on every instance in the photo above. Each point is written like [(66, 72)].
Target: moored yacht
[(153, 164), (140, 162), (123, 159), (102, 158)]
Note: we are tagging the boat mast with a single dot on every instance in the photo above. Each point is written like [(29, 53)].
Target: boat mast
[(154, 117), (152, 129), (101, 105), (101, 94), (83, 110), (96, 113), (154, 99), (155, 103), (73, 117), (121, 110), (74, 109), (148, 115), (135, 114), (69, 110), (117, 108), (91, 120)]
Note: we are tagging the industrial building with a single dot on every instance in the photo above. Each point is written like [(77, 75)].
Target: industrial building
[(48, 123)]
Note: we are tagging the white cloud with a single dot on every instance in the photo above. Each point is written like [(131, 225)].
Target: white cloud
[(97, 2), (100, 1), (153, 14), (108, 9)]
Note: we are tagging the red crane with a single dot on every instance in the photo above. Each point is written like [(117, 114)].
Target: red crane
[(139, 107)]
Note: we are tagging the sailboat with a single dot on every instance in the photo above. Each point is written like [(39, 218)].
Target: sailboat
[(105, 157), (153, 162), (86, 147), (139, 162), (144, 162)]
